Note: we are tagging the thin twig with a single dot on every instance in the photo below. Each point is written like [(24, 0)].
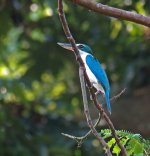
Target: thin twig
[(81, 139), (76, 52), (113, 12), (87, 114), (118, 95), (67, 31)]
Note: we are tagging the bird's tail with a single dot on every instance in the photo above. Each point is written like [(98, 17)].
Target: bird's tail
[(108, 101)]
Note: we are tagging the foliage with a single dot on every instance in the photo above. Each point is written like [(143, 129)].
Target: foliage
[(39, 84), (134, 143)]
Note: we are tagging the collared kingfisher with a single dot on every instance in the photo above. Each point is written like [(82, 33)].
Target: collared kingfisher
[(94, 70)]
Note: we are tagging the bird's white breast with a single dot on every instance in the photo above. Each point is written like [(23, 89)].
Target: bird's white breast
[(88, 71), (91, 76)]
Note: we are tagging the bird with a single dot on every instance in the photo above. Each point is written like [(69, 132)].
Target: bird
[(94, 70)]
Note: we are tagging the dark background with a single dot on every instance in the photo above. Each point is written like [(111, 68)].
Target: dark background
[(40, 94)]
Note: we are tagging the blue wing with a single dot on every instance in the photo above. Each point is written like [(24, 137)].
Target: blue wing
[(98, 71), (100, 74)]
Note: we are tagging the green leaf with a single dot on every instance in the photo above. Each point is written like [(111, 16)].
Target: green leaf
[(133, 143)]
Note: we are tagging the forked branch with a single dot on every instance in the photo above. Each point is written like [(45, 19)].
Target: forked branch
[(81, 64), (87, 113), (80, 139)]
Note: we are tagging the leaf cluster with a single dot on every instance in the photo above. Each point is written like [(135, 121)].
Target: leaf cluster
[(134, 143)]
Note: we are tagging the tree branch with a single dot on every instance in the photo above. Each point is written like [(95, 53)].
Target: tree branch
[(87, 114), (81, 64), (113, 12), (80, 139), (107, 119)]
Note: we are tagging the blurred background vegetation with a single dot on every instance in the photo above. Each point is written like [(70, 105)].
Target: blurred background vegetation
[(40, 93)]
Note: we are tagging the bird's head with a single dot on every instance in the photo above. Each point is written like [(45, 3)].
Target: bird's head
[(81, 47)]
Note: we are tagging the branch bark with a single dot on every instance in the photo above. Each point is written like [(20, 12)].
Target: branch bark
[(113, 12), (106, 117), (81, 64), (87, 113), (80, 139)]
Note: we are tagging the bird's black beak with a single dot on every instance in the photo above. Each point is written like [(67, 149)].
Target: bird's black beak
[(66, 46)]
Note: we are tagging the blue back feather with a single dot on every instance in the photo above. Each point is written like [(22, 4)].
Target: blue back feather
[(101, 76)]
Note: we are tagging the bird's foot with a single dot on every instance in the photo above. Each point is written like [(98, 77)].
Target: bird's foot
[(98, 92)]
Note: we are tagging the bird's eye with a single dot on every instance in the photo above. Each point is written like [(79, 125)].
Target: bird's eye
[(80, 46)]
